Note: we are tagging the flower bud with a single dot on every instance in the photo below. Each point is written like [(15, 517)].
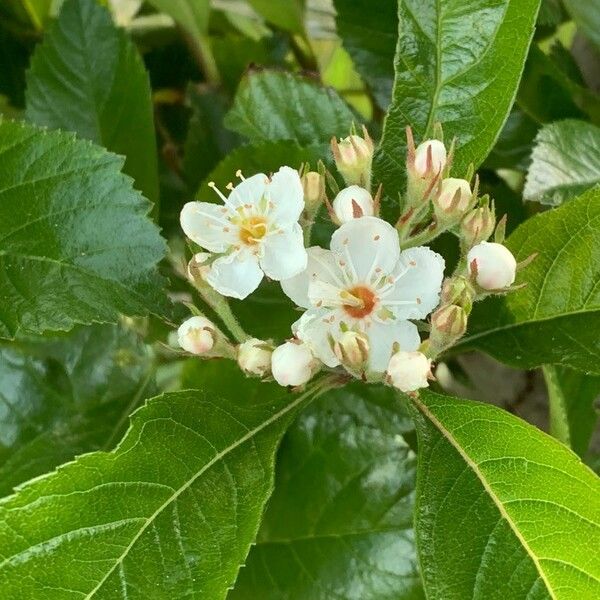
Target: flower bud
[(197, 335), (492, 265), (292, 363), (452, 199), (313, 184), (448, 324), (351, 203), (353, 158), (430, 158), (408, 371), (254, 357), (197, 266), (352, 350), (477, 226), (457, 290)]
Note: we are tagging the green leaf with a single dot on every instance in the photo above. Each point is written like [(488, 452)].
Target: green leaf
[(67, 395), (76, 245), (565, 162), (271, 106), (555, 319), (458, 64), (284, 14), (339, 524), (170, 513), (192, 15), (87, 77), (503, 510), (573, 416), (587, 16), (370, 37)]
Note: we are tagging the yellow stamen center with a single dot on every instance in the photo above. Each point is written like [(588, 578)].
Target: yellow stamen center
[(253, 229)]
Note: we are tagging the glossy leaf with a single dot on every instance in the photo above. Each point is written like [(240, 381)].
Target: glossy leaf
[(573, 398), (339, 524), (565, 162), (172, 510), (76, 245), (555, 318), (87, 77), (271, 106), (370, 37), (66, 395), (458, 64), (503, 510)]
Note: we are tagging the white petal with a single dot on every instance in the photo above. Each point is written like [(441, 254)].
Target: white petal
[(370, 244), (284, 253), (321, 265), (249, 191), (236, 274), (314, 328), (208, 225), (382, 337), (287, 196), (416, 293)]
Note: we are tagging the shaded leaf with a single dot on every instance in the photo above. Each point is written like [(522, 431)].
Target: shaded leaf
[(76, 245), (87, 77)]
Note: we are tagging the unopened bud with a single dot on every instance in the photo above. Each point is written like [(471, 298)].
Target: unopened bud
[(452, 199), (197, 266), (292, 363), (477, 226), (352, 350), (458, 290), (352, 203), (254, 357), (197, 335), (408, 371), (430, 158), (353, 158), (448, 324), (313, 184), (492, 265)]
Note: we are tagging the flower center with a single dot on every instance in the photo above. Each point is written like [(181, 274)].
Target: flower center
[(253, 229), (361, 301)]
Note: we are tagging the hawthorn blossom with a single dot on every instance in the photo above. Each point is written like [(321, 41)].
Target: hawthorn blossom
[(409, 371), (493, 265), (254, 233), (365, 284)]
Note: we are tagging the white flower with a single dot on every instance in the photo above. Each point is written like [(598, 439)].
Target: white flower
[(454, 190), (493, 265), (365, 284), (197, 335), (430, 158), (255, 232), (254, 357), (292, 363), (408, 371), (353, 202)]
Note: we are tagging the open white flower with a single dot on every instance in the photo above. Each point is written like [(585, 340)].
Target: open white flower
[(365, 284), (255, 232)]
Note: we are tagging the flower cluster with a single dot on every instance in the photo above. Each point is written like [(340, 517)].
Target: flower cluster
[(367, 296)]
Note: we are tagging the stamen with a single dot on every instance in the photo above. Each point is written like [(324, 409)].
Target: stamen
[(212, 185), (238, 173)]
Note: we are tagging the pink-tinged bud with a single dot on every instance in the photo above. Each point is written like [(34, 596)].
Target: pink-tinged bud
[(197, 335), (492, 265), (352, 203), (430, 158), (352, 350), (254, 357), (458, 291), (477, 226), (408, 371), (354, 157), (448, 324), (313, 184), (453, 199), (292, 363)]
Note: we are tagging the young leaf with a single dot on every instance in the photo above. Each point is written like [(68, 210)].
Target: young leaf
[(272, 106), (572, 396), (340, 519), (458, 64), (76, 245), (565, 162), (369, 35), (285, 14), (66, 395), (503, 510), (87, 77), (173, 508), (555, 319)]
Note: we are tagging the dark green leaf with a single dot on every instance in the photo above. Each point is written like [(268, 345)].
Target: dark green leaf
[(170, 513), (339, 524), (565, 162), (503, 510), (87, 77), (67, 395), (587, 16), (457, 63), (573, 414), (272, 106), (555, 319), (370, 37), (76, 245)]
